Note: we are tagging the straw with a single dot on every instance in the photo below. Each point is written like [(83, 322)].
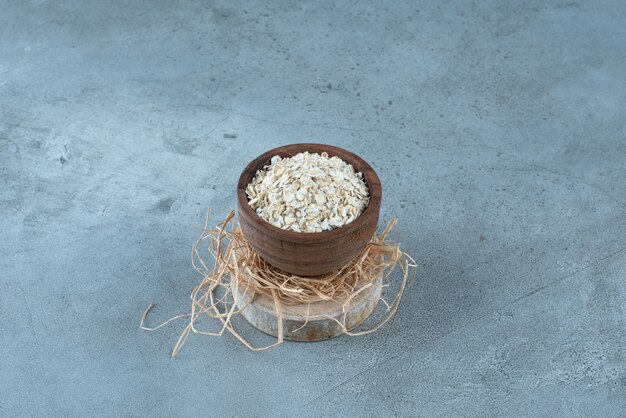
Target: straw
[(237, 266)]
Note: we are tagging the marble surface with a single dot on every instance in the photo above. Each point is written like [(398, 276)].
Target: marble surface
[(498, 132)]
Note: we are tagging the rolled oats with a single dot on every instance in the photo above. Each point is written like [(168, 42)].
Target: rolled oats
[(308, 192)]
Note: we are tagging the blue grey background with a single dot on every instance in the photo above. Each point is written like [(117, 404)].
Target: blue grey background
[(497, 128)]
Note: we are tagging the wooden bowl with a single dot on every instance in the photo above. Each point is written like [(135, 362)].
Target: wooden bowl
[(309, 253)]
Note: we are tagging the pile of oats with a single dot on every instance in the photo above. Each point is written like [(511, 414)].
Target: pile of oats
[(308, 192)]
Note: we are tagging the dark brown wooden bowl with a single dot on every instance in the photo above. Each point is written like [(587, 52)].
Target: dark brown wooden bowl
[(309, 253)]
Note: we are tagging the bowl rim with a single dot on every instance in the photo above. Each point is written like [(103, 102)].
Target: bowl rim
[(369, 177)]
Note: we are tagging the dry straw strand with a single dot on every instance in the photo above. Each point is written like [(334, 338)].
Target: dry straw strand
[(236, 265)]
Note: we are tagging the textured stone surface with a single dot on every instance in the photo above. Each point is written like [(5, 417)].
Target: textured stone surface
[(497, 129)]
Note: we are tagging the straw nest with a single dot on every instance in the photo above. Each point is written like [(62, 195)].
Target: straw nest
[(237, 266)]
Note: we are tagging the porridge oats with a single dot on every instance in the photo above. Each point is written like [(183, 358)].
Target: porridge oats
[(308, 192)]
